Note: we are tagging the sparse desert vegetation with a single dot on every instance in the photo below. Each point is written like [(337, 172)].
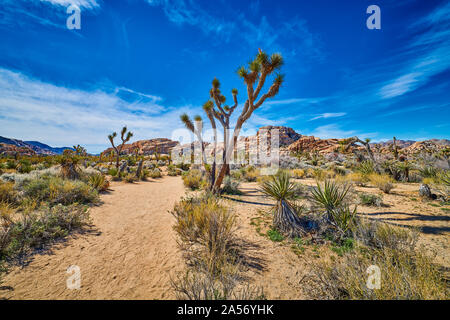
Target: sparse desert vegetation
[(334, 213)]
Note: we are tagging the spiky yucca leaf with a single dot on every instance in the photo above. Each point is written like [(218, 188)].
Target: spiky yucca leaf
[(254, 66), (444, 177), (276, 61), (129, 136), (279, 187), (187, 122), (208, 105), (216, 83), (242, 72), (112, 136), (331, 196)]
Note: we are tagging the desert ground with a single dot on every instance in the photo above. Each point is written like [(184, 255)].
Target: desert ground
[(130, 250)]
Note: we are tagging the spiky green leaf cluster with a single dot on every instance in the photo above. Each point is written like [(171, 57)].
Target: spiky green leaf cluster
[(280, 187)]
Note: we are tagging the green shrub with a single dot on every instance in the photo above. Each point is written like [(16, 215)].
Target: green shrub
[(369, 199), (24, 166), (231, 186), (207, 231), (193, 179), (99, 182), (155, 173), (382, 182), (113, 172), (7, 192), (331, 195), (57, 190), (366, 167), (275, 235), (10, 164), (428, 172), (404, 275), (35, 229), (130, 178)]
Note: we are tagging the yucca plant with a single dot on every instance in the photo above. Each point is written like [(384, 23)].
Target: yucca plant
[(343, 219), (332, 198), (99, 182), (428, 172), (331, 195), (444, 177), (282, 190), (366, 167)]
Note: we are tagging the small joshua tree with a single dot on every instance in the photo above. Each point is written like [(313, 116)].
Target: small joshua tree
[(124, 138), (395, 148), (366, 144), (69, 164), (80, 151)]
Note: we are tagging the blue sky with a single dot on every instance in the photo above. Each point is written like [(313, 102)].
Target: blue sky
[(142, 63)]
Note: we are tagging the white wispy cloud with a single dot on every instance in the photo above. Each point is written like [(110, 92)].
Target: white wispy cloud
[(329, 115), (300, 39), (189, 12), (27, 13), (334, 131), (82, 4), (34, 110), (431, 50)]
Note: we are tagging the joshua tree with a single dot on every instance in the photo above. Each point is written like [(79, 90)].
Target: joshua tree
[(197, 130), (366, 144), (395, 148), (256, 74), (80, 151), (124, 139), (69, 164)]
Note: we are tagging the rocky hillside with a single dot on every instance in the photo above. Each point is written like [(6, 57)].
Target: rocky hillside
[(147, 147), (12, 150), (23, 146)]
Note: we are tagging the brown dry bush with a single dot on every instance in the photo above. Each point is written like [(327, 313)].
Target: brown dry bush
[(7, 192), (206, 231), (407, 272), (195, 285), (382, 182)]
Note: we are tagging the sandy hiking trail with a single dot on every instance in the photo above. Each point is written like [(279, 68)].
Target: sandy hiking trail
[(130, 252)]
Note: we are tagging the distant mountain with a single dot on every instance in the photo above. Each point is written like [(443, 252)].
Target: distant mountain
[(47, 147), (36, 146)]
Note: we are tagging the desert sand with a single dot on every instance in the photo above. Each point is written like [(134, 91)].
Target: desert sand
[(129, 252)]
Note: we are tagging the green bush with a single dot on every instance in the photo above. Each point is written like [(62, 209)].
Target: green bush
[(231, 186), (99, 182), (7, 192), (275, 235), (33, 230), (368, 199), (155, 173), (57, 190), (113, 172), (207, 231), (193, 179)]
